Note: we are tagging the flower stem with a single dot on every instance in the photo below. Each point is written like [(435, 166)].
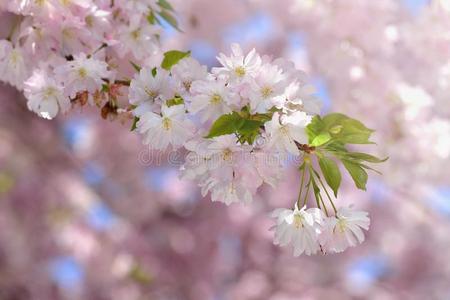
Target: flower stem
[(301, 184), (324, 206), (328, 195), (307, 191)]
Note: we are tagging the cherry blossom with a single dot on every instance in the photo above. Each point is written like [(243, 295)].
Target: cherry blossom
[(344, 230), (301, 227), (45, 95), (170, 128)]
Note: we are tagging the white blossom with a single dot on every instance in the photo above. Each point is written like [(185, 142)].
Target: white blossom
[(82, 74), (45, 96), (299, 227), (12, 64), (185, 72), (138, 39), (171, 127), (210, 99), (238, 66), (285, 130), (266, 89), (344, 230), (148, 88), (301, 98)]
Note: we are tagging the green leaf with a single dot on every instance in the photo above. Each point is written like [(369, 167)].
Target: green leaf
[(314, 128), (154, 71), (331, 173), (249, 130), (358, 174), (261, 117), (354, 132), (250, 126), (226, 124), (105, 88), (139, 275), (135, 66), (175, 101), (370, 168), (169, 18), (343, 128), (365, 157), (321, 139), (337, 148), (135, 121), (166, 5), (335, 129), (334, 119), (151, 18), (171, 58)]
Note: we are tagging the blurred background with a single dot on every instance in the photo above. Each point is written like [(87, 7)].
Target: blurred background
[(87, 213)]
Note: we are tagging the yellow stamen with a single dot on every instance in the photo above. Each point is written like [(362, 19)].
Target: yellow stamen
[(82, 72), (152, 94), (298, 221), (266, 92), (227, 155), (167, 123), (240, 71), (341, 225), (49, 92), (136, 34), (216, 99)]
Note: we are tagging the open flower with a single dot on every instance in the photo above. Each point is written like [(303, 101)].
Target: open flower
[(284, 131), (138, 39), (344, 230), (266, 89), (238, 66), (210, 99), (299, 227), (45, 96), (185, 72), (12, 64), (170, 128), (148, 88), (82, 74)]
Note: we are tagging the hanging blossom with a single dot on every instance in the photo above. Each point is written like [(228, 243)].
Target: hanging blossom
[(310, 231), (250, 114), (239, 122)]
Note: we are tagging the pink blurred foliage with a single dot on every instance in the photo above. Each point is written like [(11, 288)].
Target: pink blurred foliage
[(166, 242)]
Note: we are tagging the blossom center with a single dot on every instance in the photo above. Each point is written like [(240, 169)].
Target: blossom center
[(341, 225), (298, 221), (49, 92), (82, 72), (227, 154), (216, 99), (14, 57), (89, 21), (187, 85), (240, 71), (151, 93), (135, 34), (167, 123), (284, 130), (266, 91)]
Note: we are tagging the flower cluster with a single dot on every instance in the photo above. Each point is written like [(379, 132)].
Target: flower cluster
[(310, 231), (59, 52), (239, 123), (269, 97)]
